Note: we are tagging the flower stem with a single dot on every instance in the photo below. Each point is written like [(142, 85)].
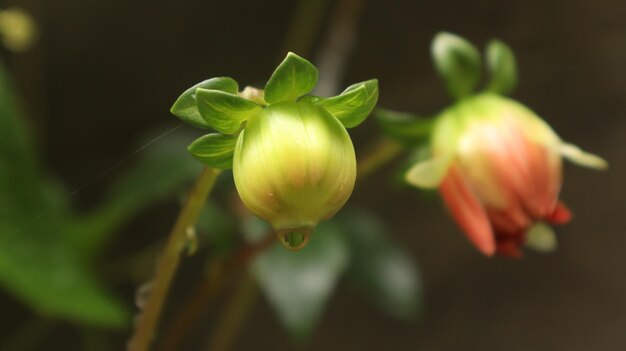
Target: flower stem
[(384, 151), (148, 319)]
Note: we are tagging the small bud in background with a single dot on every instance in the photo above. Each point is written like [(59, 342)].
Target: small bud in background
[(498, 168), (496, 164), (17, 29)]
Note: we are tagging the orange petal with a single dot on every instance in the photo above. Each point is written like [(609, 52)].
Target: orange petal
[(468, 211)]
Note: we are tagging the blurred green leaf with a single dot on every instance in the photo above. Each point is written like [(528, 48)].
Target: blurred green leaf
[(45, 274), (502, 66), (383, 271), (458, 63), (214, 150), (186, 107), (298, 284), (294, 77), (224, 112), (354, 104), (37, 264), (404, 127)]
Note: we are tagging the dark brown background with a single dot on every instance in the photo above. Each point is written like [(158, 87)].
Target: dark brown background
[(106, 71)]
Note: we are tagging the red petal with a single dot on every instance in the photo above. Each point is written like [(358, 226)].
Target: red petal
[(561, 214), (510, 248), (468, 211)]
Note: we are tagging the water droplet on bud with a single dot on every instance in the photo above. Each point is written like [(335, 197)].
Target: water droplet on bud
[(295, 239)]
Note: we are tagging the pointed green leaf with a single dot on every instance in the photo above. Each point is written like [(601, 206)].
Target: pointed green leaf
[(224, 112), (458, 63), (298, 284), (293, 78), (186, 108), (214, 150), (353, 105), (403, 126), (383, 271), (502, 66)]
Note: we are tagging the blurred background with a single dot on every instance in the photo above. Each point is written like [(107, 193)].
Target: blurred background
[(90, 195)]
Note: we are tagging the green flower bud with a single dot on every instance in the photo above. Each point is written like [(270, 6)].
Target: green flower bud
[(292, 158), (294, 166)]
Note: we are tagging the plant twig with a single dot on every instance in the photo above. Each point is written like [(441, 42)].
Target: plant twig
[(337, 46), (304, 27), (207, 290), (384, 151), (148, 319)]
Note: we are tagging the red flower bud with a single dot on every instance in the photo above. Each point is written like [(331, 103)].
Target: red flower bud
[(498, 167)]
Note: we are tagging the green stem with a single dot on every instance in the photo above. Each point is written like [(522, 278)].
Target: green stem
[(304, 27), (147, 323), (384, 151)]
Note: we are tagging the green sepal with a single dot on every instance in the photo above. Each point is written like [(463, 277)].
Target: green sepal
[(502, 66), (186, 108), (214, 150), (294, 77), (354, 104), (457, 62), (404, 127), (224, 112)]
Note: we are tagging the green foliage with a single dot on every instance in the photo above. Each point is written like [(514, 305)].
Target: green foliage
[(214, 150), (46, 250), (382, 270), (502, 66), (224, 112), (186, 108), (403, 126), (37, 264), (293, 78), (354, 104), (298, 285), (357, 244), (458, 63), (217, 104)]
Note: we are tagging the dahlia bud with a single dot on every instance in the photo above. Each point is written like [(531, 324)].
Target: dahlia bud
[(496, 163), (292, 158), (498, 168), (294, 166)]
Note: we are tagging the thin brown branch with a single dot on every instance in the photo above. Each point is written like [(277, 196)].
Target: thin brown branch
[(148, 319), (208, 288)]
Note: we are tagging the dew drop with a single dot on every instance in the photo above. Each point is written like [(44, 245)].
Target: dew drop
[(191, 241), (141, 295), (295, 239)]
